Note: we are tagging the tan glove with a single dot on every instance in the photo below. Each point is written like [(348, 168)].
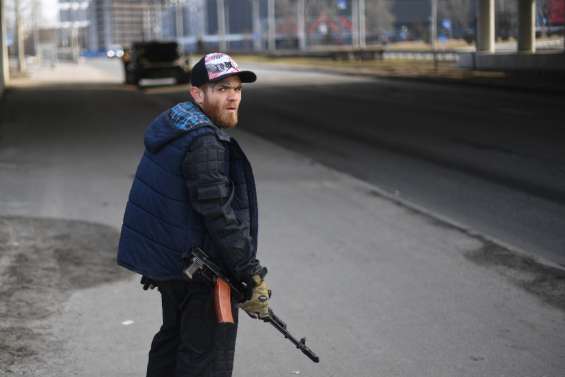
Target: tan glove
[(258, 305)]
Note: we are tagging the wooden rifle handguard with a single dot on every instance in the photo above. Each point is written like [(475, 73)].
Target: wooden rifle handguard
[(222, 300)]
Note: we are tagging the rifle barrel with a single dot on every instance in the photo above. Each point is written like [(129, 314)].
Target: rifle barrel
[(300, 344), (216, 272)]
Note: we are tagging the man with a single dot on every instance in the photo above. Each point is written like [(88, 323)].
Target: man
[(194, 187)]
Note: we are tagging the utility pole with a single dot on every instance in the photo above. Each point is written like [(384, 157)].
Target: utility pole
[(179, 22), (222, 25), (75, 47), (272, 25), (433, 30), (147, 33), (19, 38), (362, 24), (355, 23), (257, 35), (301, 21), (433, 24), (35, 25), (4, 72)]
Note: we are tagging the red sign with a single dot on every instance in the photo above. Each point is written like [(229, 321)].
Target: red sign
[(557, 12)]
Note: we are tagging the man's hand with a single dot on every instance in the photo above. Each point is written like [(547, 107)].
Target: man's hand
[(258, 305), (148, 283)]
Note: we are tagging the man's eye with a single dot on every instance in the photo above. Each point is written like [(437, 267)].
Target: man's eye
[(238, 89)]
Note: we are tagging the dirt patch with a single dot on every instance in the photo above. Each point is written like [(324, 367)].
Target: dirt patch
[(41, 262), (546, 282), (15, 345), (542, 280)]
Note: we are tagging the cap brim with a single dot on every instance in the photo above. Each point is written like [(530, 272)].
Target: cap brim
[(244, 76)]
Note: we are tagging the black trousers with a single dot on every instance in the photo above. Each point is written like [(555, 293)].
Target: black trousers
[(190, 342)]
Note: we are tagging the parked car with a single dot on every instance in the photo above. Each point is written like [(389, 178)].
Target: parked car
[(155, 60)]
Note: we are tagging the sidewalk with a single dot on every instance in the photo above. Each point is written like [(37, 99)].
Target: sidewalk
[(378, 287), (62, 73)]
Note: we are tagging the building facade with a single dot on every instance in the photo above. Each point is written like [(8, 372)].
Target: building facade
[(191, 22), (73, 27), (119, 23)]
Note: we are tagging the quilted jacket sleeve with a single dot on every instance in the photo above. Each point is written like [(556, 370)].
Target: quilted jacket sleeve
[(211, 196)]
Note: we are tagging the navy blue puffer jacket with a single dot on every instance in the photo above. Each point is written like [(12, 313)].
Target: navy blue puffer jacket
[(193, 187)]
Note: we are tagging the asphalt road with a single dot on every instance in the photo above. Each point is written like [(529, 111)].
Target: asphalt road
[(490, 161), (379, 288)]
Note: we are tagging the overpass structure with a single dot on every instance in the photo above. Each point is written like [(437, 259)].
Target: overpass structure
[(526, 26), (3, 50), (486, 57), (526, 57)]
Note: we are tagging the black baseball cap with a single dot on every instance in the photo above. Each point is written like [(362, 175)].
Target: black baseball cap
[(216, 67)]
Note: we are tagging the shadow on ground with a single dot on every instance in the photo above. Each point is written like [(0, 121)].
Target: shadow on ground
[(545, 282)]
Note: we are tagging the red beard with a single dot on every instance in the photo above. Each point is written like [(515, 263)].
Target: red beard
[(221, 117)]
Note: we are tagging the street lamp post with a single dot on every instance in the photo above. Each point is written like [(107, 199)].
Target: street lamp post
[(301, 27), (272, 25), (257, 35), (354, 23), (21, 67), (4, 71), (179, 21), (222, 25), (433, 30), (362, 24)]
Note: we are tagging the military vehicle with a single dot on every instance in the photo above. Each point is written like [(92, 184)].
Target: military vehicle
[(155, 60)]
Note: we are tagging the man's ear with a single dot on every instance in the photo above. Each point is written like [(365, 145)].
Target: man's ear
[(197, 94)]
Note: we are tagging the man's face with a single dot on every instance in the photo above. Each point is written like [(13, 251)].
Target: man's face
[(220, 101)]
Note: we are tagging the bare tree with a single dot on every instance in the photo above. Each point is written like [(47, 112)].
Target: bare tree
[(506, 18), (321, 21), (316, 7), (325, 17), (543, 11), (459, 12), (285, 13), (379, 17), (378, 14)]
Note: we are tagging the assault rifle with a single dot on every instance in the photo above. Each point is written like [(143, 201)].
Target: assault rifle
[(201, 263)]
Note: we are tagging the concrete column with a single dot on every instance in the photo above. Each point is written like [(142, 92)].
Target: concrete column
[(485, 26), (526, 26)]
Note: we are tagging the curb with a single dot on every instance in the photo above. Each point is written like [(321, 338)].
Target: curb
[(446, 221), (480, 83)]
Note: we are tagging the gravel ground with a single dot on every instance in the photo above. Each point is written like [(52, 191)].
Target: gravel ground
[(42, 261)]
